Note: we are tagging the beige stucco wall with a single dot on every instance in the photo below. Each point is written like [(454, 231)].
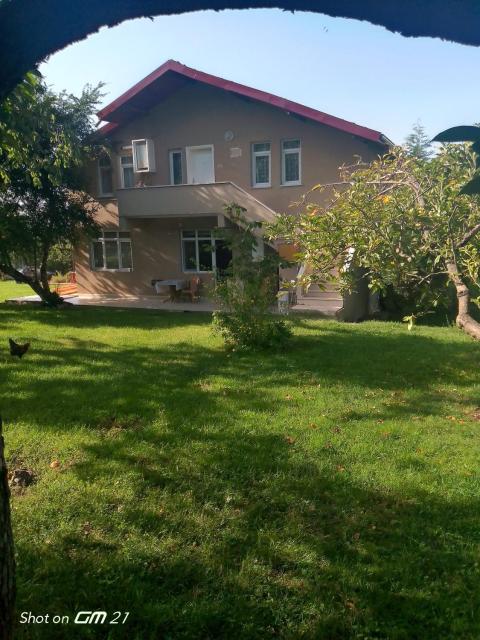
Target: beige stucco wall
[(200, 115), (156, 254)]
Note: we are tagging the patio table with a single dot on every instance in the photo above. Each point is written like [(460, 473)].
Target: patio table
[(174, 286)]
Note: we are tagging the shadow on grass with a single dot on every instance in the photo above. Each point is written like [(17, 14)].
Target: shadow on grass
[(257, 544), (233, 531), (80, 382)]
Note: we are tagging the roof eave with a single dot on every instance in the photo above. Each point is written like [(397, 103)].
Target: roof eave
[(288, 106)]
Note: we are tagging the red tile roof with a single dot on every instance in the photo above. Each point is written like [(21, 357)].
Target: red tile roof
[(172, 75)]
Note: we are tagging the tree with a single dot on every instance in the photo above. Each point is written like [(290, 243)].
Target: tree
[(418, 143), (61, 258), (401, 220), (45, 141), (7, 559)]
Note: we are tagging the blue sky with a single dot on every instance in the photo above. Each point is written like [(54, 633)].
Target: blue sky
[(347, 68)]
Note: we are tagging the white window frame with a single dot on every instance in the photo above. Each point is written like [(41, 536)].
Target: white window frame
[(285, 152), (102, 239), (197, 252), (170, 163), (123, 154), (188, 158), (255, 155), (101, 193)]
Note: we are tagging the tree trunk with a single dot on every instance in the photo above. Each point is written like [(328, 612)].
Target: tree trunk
[(7, 559), (43, 270), (463, 320), (50, 298)]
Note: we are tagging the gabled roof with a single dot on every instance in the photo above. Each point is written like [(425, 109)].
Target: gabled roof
[(173, 75)]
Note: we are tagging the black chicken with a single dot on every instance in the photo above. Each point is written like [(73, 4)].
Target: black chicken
[(18, 349)]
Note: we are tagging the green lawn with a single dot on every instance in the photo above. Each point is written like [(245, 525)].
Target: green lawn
[(330, 491), (10, 289)]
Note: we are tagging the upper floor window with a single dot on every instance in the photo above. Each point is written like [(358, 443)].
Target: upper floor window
[(261, 155), (112, 251), (105, 176), (176, 171), (291, 162), (126, 171)]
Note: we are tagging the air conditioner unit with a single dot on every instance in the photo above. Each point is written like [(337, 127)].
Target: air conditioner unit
[(143, 155)]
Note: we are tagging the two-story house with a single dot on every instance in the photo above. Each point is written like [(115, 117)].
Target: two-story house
[(182, 143)]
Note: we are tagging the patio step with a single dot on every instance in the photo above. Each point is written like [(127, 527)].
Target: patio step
[(328, 294), (325, 307), (323, 295)]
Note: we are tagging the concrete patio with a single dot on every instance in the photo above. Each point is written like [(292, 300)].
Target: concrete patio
[(305, 305), (130, 302), (144, 302)]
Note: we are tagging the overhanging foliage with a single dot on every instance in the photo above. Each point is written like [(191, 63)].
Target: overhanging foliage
[(30, 30)]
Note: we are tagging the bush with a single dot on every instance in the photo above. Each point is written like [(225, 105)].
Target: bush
[(249, 330), (434, 303), (247, 291)]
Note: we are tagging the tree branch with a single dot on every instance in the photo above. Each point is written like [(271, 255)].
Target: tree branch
[(468, 236)]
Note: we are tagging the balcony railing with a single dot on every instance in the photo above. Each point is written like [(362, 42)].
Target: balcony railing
[(186, 200)]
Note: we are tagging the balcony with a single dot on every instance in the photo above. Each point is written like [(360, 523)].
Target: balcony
[(185, 200)]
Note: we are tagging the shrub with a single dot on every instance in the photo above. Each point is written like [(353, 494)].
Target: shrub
[(247, 290), (244, 329)]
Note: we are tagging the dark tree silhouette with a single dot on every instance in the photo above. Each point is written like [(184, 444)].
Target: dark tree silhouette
[(7, 560), (30, 30)]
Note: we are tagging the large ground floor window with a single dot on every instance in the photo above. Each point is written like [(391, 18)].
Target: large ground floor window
[(202, 252), (112, 251)]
